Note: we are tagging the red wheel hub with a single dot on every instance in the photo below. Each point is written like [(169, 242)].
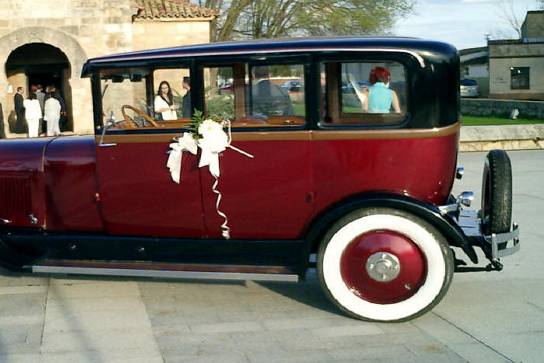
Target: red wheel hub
[(383, 267)]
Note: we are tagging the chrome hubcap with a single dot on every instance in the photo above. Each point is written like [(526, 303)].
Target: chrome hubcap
[(383, 266)]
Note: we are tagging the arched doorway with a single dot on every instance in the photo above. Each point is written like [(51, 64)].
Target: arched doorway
[(42, 64)]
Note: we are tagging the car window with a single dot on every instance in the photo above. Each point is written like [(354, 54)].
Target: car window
[(363, 93), (178, 80), (255, 95), (218, 92), (122, 93), (141, 98), (276, 91)]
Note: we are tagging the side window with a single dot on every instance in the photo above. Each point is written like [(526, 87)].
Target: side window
[(276, 94), (141, 98), (219, 92), (256, 95), (171, 95), (124, 98), (363, 93)]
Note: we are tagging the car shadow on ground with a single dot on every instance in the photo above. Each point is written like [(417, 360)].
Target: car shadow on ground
[(99, 278), (307, 292)]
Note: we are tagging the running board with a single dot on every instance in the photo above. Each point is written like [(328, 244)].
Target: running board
[(168, 270)]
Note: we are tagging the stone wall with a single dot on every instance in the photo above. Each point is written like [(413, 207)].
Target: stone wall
[(506, 137), (80, 29), (149, 35), (489, 107)]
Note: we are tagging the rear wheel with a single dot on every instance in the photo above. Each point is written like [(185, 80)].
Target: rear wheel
[(497, 193), (383, 264)]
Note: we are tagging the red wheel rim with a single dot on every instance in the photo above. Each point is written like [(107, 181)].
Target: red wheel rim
[(410, 274)]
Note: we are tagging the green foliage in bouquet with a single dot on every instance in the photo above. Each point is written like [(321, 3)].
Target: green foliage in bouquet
[(197, 120)]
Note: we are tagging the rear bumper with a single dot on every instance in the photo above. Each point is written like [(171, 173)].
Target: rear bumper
[(496, 245)]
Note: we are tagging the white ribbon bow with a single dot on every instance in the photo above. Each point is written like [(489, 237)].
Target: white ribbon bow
[(185, 143), (213, 142)]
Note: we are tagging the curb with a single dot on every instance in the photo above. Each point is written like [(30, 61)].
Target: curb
[(506, 137)]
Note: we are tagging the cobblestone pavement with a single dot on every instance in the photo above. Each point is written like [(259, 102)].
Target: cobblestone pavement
[(485, 317)]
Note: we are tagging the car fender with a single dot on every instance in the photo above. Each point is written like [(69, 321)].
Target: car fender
[(429, 212)]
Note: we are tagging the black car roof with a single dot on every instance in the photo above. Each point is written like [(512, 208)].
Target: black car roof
[(410, 45)]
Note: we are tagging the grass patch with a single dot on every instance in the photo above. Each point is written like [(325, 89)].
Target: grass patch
[(483, 121)]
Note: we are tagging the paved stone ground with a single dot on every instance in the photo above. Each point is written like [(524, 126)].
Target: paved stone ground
[(486, 317)]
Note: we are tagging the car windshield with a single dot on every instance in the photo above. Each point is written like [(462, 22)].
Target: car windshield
[(468, 82)]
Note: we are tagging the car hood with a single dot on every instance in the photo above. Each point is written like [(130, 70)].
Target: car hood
[(23, 155)]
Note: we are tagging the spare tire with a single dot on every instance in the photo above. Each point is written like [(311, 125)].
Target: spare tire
[(497, 193)]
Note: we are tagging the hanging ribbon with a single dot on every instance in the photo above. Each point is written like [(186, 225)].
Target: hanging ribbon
[(185, 143), (213, 142)]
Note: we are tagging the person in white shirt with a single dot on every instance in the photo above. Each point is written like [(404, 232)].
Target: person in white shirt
[(52, 115), (164, 102), (33, 113)]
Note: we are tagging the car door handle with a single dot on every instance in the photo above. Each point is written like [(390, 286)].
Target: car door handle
[(108, 144)]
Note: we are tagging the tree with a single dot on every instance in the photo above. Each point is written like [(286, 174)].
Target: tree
[(279, 18), (507, 12)]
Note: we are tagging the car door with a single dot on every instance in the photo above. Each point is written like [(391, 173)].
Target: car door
[(270, 195), (136, 192)]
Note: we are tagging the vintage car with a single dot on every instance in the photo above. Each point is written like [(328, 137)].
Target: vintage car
[(305, 179)]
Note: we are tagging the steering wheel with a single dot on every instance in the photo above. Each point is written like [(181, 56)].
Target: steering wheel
[(131, 123)]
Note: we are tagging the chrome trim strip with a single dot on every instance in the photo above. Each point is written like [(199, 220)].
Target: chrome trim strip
[(445, 209), (164, 273), (245, 52)]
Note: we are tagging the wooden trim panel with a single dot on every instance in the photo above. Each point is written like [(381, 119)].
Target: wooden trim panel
[(303, 135), (385, 134)]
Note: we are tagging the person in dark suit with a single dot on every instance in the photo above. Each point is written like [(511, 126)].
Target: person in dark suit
[(19, 111), (268, 98), (186, 110)]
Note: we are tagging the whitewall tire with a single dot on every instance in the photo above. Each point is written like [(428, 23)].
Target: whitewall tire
[(383, 264)]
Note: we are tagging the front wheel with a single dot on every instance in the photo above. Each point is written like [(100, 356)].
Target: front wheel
[(382, 264)]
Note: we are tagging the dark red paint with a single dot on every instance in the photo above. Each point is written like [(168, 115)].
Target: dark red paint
[(21, 161), (126, 188), (412, 267), (138, 197), (265, 197), (71, 186)]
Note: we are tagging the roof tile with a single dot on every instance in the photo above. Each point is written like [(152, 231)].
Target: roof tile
[(170, 10)]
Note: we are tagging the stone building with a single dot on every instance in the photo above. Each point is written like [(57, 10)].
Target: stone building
[(47, 42), (516, 67)]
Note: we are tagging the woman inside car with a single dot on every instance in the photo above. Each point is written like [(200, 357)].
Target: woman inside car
[(164, 102), (379, 98)]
